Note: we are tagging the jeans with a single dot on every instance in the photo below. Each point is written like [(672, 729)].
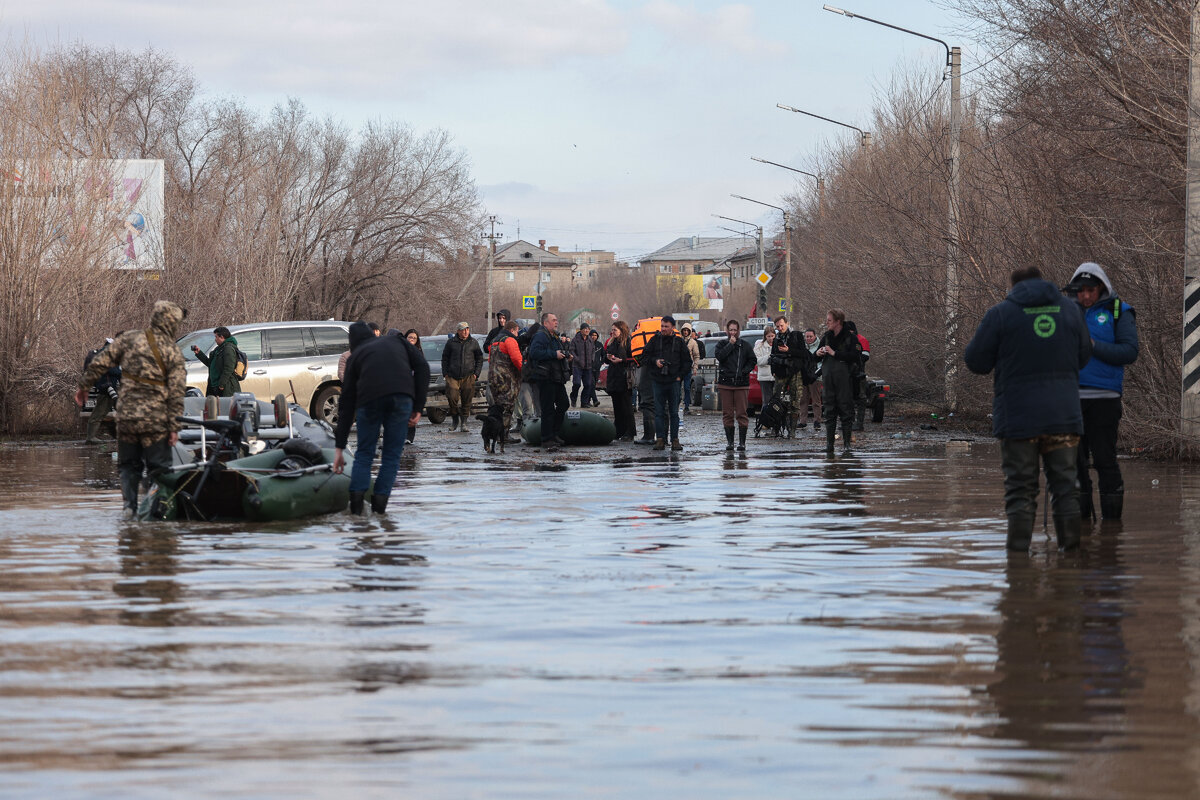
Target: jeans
[(133, 458), (687, 390), (666, 403), (1019, 460), (391, 412)]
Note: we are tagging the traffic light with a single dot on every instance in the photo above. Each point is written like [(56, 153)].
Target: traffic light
[(539, 304), (762, 302)]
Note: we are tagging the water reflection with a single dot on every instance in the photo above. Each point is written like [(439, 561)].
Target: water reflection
[(149, 563)]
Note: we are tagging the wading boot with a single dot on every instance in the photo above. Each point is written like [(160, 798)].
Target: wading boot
[(860, 414), (1112, 504), (830, 434), (379, 503), (1020, 532), (574, 396), (659, 444), (729, 437), (647, 429), (356, 502), (742, 439), (1087, 509), (454, 424), (675, 445), (1066, 529), (847, 436)]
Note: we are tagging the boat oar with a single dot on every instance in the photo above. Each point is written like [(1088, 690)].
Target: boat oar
[(287, 473)]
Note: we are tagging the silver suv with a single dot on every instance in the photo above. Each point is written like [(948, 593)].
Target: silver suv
[(296, 359)]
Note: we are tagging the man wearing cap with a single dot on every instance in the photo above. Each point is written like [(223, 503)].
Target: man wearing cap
[(462, 361), (1112, 326)]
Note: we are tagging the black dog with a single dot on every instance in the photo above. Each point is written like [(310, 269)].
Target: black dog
[(493, 428)]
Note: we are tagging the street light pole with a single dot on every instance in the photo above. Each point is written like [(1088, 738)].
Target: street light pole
[(493, 236), (761, 262), (787, 252), (954, 67), (865, 135)]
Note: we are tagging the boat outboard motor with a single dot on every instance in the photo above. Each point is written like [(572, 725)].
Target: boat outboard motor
[(243, 407)]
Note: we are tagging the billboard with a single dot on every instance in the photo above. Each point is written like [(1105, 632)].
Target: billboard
[(694, 292), (118, 204)]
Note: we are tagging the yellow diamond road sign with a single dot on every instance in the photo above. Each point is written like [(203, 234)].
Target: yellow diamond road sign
[(763, 278)]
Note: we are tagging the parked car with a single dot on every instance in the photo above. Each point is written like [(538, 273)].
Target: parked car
[(296, 359), (436, 404)]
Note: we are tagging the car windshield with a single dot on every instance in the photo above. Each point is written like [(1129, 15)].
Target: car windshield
[(202, 339)]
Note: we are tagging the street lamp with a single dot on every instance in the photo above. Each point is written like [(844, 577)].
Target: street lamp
[(820, 181), (954, 66), (787, 239), (761, 262), (866, 135)]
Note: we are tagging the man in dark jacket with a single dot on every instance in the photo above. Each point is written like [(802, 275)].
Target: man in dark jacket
[(107, 389), (502, 318), (1112, 326), (789, 357), (668, 359), (221, 363), (1036, 342), (384, 387), (462, 361), (549, 364), (841, 353), (583, 355)]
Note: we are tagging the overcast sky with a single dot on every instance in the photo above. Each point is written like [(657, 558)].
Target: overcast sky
[(605, 124)]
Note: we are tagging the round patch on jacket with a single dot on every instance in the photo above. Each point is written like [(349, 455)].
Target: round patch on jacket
[(1044, 325), (1102, 318)]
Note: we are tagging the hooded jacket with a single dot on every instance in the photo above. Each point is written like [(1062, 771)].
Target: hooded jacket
[(152, 386), (222, 381), (379, 366), (584, 350), (1036, 342), (1112, 326)]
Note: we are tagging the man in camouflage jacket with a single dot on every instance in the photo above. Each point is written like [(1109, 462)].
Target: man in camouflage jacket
[(154, 380)]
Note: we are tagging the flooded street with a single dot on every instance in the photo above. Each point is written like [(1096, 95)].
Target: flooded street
[(624, 624)]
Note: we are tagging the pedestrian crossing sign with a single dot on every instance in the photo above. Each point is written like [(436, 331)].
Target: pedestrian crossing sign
[(783, 306), (529, 302)]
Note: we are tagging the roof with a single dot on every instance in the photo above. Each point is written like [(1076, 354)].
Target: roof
[(522, 253), (701, 248)]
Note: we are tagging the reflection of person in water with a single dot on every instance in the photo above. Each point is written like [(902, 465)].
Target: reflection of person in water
[(713, 290), (1061, 656)]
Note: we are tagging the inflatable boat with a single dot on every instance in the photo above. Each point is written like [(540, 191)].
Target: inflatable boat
[(578, 428)]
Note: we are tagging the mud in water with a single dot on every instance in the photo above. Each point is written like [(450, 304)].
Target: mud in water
[(611, 623)]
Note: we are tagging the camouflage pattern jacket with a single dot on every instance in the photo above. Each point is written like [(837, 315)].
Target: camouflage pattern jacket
[(151, 395)]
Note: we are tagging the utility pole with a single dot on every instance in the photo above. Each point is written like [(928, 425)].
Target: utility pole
[(1189, 410), (492, 237), (787, 244)]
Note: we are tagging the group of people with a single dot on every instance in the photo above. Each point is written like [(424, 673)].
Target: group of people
[(1059, 360)]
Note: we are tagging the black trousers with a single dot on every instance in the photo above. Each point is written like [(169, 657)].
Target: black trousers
[(1101, 417), (838, 395), (554, 408), (133, 458), (622, 413)]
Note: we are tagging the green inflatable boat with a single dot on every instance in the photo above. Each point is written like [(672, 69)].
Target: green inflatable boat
[(579, 428), (272, 485)]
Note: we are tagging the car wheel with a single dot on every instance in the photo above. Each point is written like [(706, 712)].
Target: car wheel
[(436, 416), (325, 405), (877, 411)]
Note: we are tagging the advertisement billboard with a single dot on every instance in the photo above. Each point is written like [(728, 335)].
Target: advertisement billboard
[(694, 292)]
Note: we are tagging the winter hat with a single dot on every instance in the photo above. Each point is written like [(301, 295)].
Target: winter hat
[(360, 332)]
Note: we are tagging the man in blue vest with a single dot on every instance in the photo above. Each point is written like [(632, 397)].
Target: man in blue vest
[(1112, 326), (1036, 342)]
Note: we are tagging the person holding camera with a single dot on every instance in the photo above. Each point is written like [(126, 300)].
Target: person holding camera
[(668, 360), (735, 359), (106, 398), (788, 359), (550, 369), (841, 353), (221, 363)]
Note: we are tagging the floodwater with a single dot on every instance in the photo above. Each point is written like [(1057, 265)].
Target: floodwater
[(621, 624)]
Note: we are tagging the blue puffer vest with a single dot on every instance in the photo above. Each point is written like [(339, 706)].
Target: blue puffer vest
[(1114, 333)]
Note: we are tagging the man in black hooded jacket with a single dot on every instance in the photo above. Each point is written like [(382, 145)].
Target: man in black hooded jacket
[(384, 387)]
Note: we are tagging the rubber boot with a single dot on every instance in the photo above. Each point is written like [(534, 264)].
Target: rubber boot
[(742, 439), (1020, 532), (830, 433), (647, 428), (659, 444), (356, 502), (379, 503), (860, 414), (574, 396), (846, 437), (729, 437), (454, 424), (1066, 529), (675, 445), (129, 491), (1112, 504), (1087, 508)]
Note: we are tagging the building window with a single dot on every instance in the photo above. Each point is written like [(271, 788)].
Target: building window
[(591, 273), (545, 277), (591, 259), (510, 276), (664, 267)]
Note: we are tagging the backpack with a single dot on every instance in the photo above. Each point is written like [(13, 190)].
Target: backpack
[(242, 366)]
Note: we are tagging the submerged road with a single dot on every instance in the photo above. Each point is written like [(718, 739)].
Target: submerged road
[(603, 623)]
